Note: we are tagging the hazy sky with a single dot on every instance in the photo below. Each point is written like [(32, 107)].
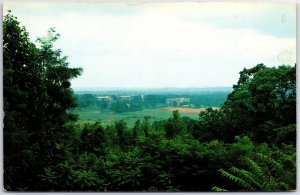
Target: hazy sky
[(157, 45)]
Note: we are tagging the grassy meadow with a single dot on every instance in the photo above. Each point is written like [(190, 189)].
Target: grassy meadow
[(108, 118)]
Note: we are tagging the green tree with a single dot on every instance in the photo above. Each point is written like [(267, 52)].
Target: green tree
[(135, 131), (263, 96), (93, 138), (145, 126), (213, 125), (121, 129), (37, 96), (174, 125)]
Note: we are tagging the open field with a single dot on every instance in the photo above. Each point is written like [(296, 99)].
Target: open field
[(109, 118), (186, 110)]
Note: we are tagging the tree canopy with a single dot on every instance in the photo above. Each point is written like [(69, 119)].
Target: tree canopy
[(37, 96)]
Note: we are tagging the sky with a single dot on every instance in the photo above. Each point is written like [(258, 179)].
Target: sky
[(157, 45)]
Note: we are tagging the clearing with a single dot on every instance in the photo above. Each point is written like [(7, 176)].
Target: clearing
[(185, 110), (130, 117)]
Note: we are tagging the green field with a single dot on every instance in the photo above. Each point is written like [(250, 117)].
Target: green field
[(129, 117)]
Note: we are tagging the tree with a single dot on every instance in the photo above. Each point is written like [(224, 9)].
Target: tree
[(262, 94), (121, 129), (37, 96), (19, 56), (145, 126), (135, 131), (174, 125), (213, 124), (93, 138)]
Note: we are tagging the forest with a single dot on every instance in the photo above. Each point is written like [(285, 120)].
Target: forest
[(249, 144), (143, 99)]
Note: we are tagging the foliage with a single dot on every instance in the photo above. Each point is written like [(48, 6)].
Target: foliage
[(93, 138), (212, 125), (262, 174), (37, 95), (174, 125), (262, 95), (121, 129), (88, 100)]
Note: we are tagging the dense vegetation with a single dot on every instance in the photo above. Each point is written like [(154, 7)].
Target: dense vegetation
[(89, 101), (247, 145)]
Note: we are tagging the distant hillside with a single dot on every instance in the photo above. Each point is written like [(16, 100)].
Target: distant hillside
[(138, 99), (162, 91)]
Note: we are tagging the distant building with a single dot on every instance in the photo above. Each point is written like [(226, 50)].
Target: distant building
[(124, 97), (178, 102), (104, 98)]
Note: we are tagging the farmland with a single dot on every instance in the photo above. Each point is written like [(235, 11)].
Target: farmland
[(130, 106), (189, 111), (108, 118)]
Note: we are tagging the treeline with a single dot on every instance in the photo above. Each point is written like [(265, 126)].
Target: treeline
[(138, 102), (249, 144), (86, 102)]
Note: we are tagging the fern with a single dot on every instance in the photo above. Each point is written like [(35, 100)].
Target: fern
[(236, 180), (217, 189), (263, 174), (273, 165), (255, 168), (247, 176)]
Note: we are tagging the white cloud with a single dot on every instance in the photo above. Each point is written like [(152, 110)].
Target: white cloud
[(157, 48)]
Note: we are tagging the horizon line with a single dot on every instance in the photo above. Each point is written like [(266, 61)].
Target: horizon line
[(142, 88)]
